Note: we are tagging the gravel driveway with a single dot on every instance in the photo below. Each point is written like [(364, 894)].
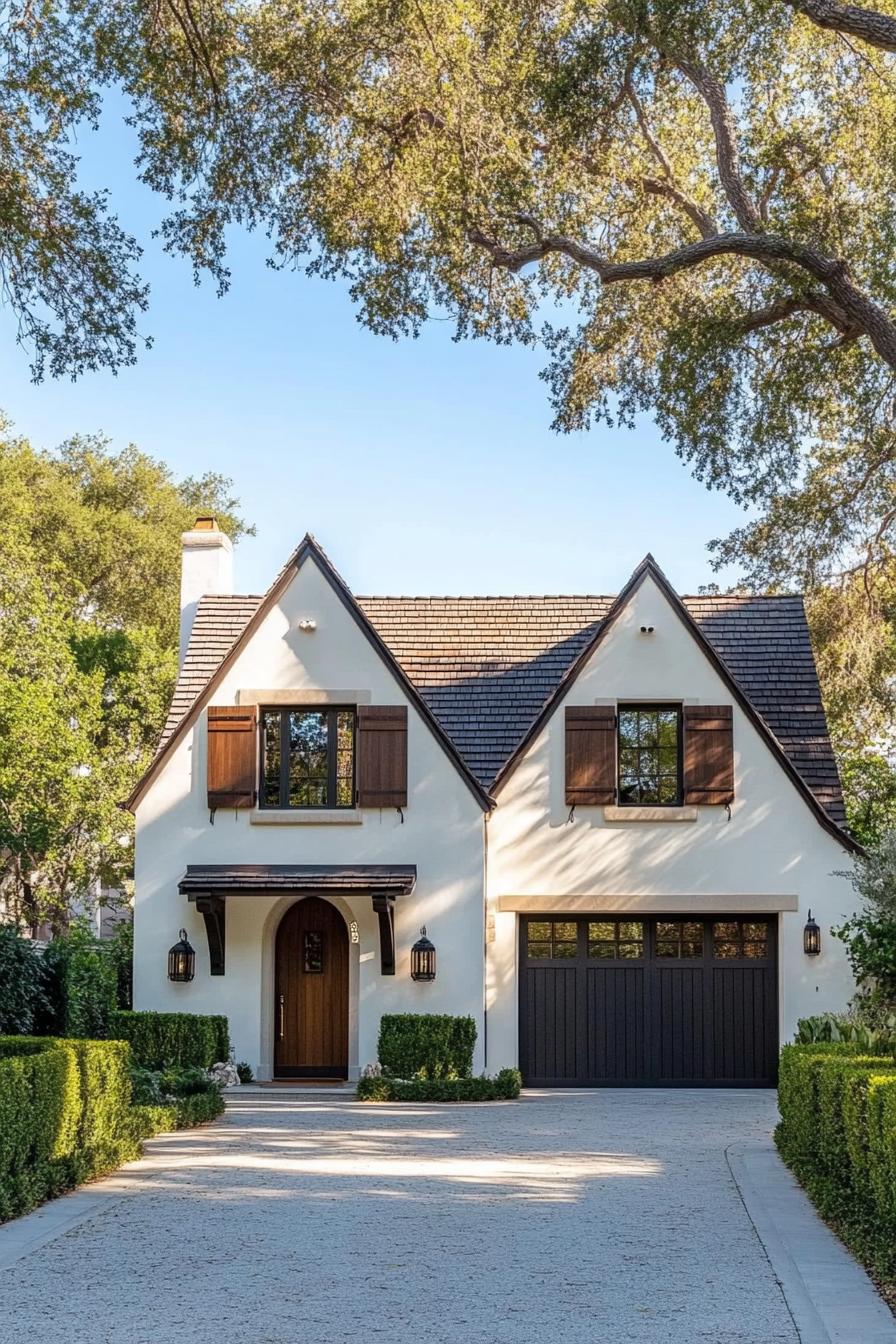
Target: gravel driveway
[(599, 1216)]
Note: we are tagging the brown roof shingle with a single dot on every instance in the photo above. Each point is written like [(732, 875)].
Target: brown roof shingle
[(487, 665)]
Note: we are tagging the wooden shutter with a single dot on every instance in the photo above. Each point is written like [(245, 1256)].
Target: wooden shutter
[(232, 755), (382, 757), (590, 755), (708, 754)]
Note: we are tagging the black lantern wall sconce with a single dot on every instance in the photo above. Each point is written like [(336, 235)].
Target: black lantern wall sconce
[(182, 960), (811, 937), (423, 958)]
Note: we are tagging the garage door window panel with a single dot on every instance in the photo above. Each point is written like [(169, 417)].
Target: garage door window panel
[(552, 940), (680, 940), (741, 940), (616, 940)]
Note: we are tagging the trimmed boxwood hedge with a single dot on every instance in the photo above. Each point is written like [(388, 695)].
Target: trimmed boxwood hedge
[(505, 1086), (838, 1134), (181, 1113), (426, 1045), (65, 1116), (173, 1040)]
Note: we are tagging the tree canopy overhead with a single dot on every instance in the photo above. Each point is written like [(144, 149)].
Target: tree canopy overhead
[(705, 190)]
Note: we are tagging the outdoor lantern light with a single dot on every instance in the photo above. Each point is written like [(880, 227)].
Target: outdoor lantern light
[(181, 960), (811, 937), (423, 958)]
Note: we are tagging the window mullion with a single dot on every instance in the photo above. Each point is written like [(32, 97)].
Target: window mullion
[(331, 757), (284, 757)]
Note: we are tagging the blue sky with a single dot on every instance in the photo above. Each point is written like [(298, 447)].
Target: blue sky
[(421, 466)]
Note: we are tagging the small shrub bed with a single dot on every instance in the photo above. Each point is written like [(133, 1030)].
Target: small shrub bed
[(505, 1086), (173, 1040), (168, 1099), (426, 1045), (65, 1116), (838, 1134)]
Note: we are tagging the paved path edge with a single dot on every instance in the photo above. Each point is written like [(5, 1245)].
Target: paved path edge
[(828, 1294)]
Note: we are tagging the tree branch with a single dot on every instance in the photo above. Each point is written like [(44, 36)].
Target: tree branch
[(851, 309), (776, 312), (668, 187), (706, 225), (878, 30), (727, 155)]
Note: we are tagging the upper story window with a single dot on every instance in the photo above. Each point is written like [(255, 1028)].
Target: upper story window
[(650, 755), (308, 758)]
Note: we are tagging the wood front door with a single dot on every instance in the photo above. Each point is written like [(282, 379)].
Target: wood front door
[(311, 992)]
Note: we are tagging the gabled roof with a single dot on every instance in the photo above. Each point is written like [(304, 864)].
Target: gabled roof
[(196, 683), (801, 715), (490, 669)]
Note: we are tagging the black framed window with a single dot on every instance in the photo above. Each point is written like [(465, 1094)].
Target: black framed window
[(741, 939), (650, 755), (616, 939), (552, 939), (308, 758), (679, 939)]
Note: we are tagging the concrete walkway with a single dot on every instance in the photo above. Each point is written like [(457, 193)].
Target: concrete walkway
[(594, 1216)]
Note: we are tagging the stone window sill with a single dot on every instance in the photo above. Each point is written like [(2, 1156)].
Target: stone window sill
[(650, 814), (336, 816)]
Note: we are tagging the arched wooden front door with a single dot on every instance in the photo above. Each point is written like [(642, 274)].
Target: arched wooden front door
[(311, 992)]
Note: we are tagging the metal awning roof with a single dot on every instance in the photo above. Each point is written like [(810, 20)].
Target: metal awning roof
[(231, 879)]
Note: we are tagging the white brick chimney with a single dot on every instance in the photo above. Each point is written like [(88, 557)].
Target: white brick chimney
[(207, 567)]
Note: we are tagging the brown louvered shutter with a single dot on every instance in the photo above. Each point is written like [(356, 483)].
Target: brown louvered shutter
[(232, 755), (590, 755), (382, 757), (708, 754)]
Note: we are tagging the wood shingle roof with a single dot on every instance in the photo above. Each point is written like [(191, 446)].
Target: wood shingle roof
[(486, 666)]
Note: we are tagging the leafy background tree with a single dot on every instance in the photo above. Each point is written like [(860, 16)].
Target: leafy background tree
[(89, 611)]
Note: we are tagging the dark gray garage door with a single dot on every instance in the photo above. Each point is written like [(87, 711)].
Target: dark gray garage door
[(648, 1002)]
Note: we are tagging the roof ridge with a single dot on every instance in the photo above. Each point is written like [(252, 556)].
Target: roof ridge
[(485, 597)]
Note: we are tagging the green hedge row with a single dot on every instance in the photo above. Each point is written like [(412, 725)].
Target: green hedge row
[(426, 1045), (65, 1116), (173, 1040), (838, 1134), (505, 1086), (181, 1113)]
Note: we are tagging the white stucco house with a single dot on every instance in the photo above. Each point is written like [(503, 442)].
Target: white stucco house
[(611, 814)]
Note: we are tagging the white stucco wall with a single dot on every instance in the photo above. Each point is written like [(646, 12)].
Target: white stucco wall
[(441, 834), (773, 845)]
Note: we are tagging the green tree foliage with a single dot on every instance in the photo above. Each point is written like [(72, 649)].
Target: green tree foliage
[(870, 936), (89, 581), (22, 983), (855, 648), (704, 191), (66, 265), (82, 976)]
